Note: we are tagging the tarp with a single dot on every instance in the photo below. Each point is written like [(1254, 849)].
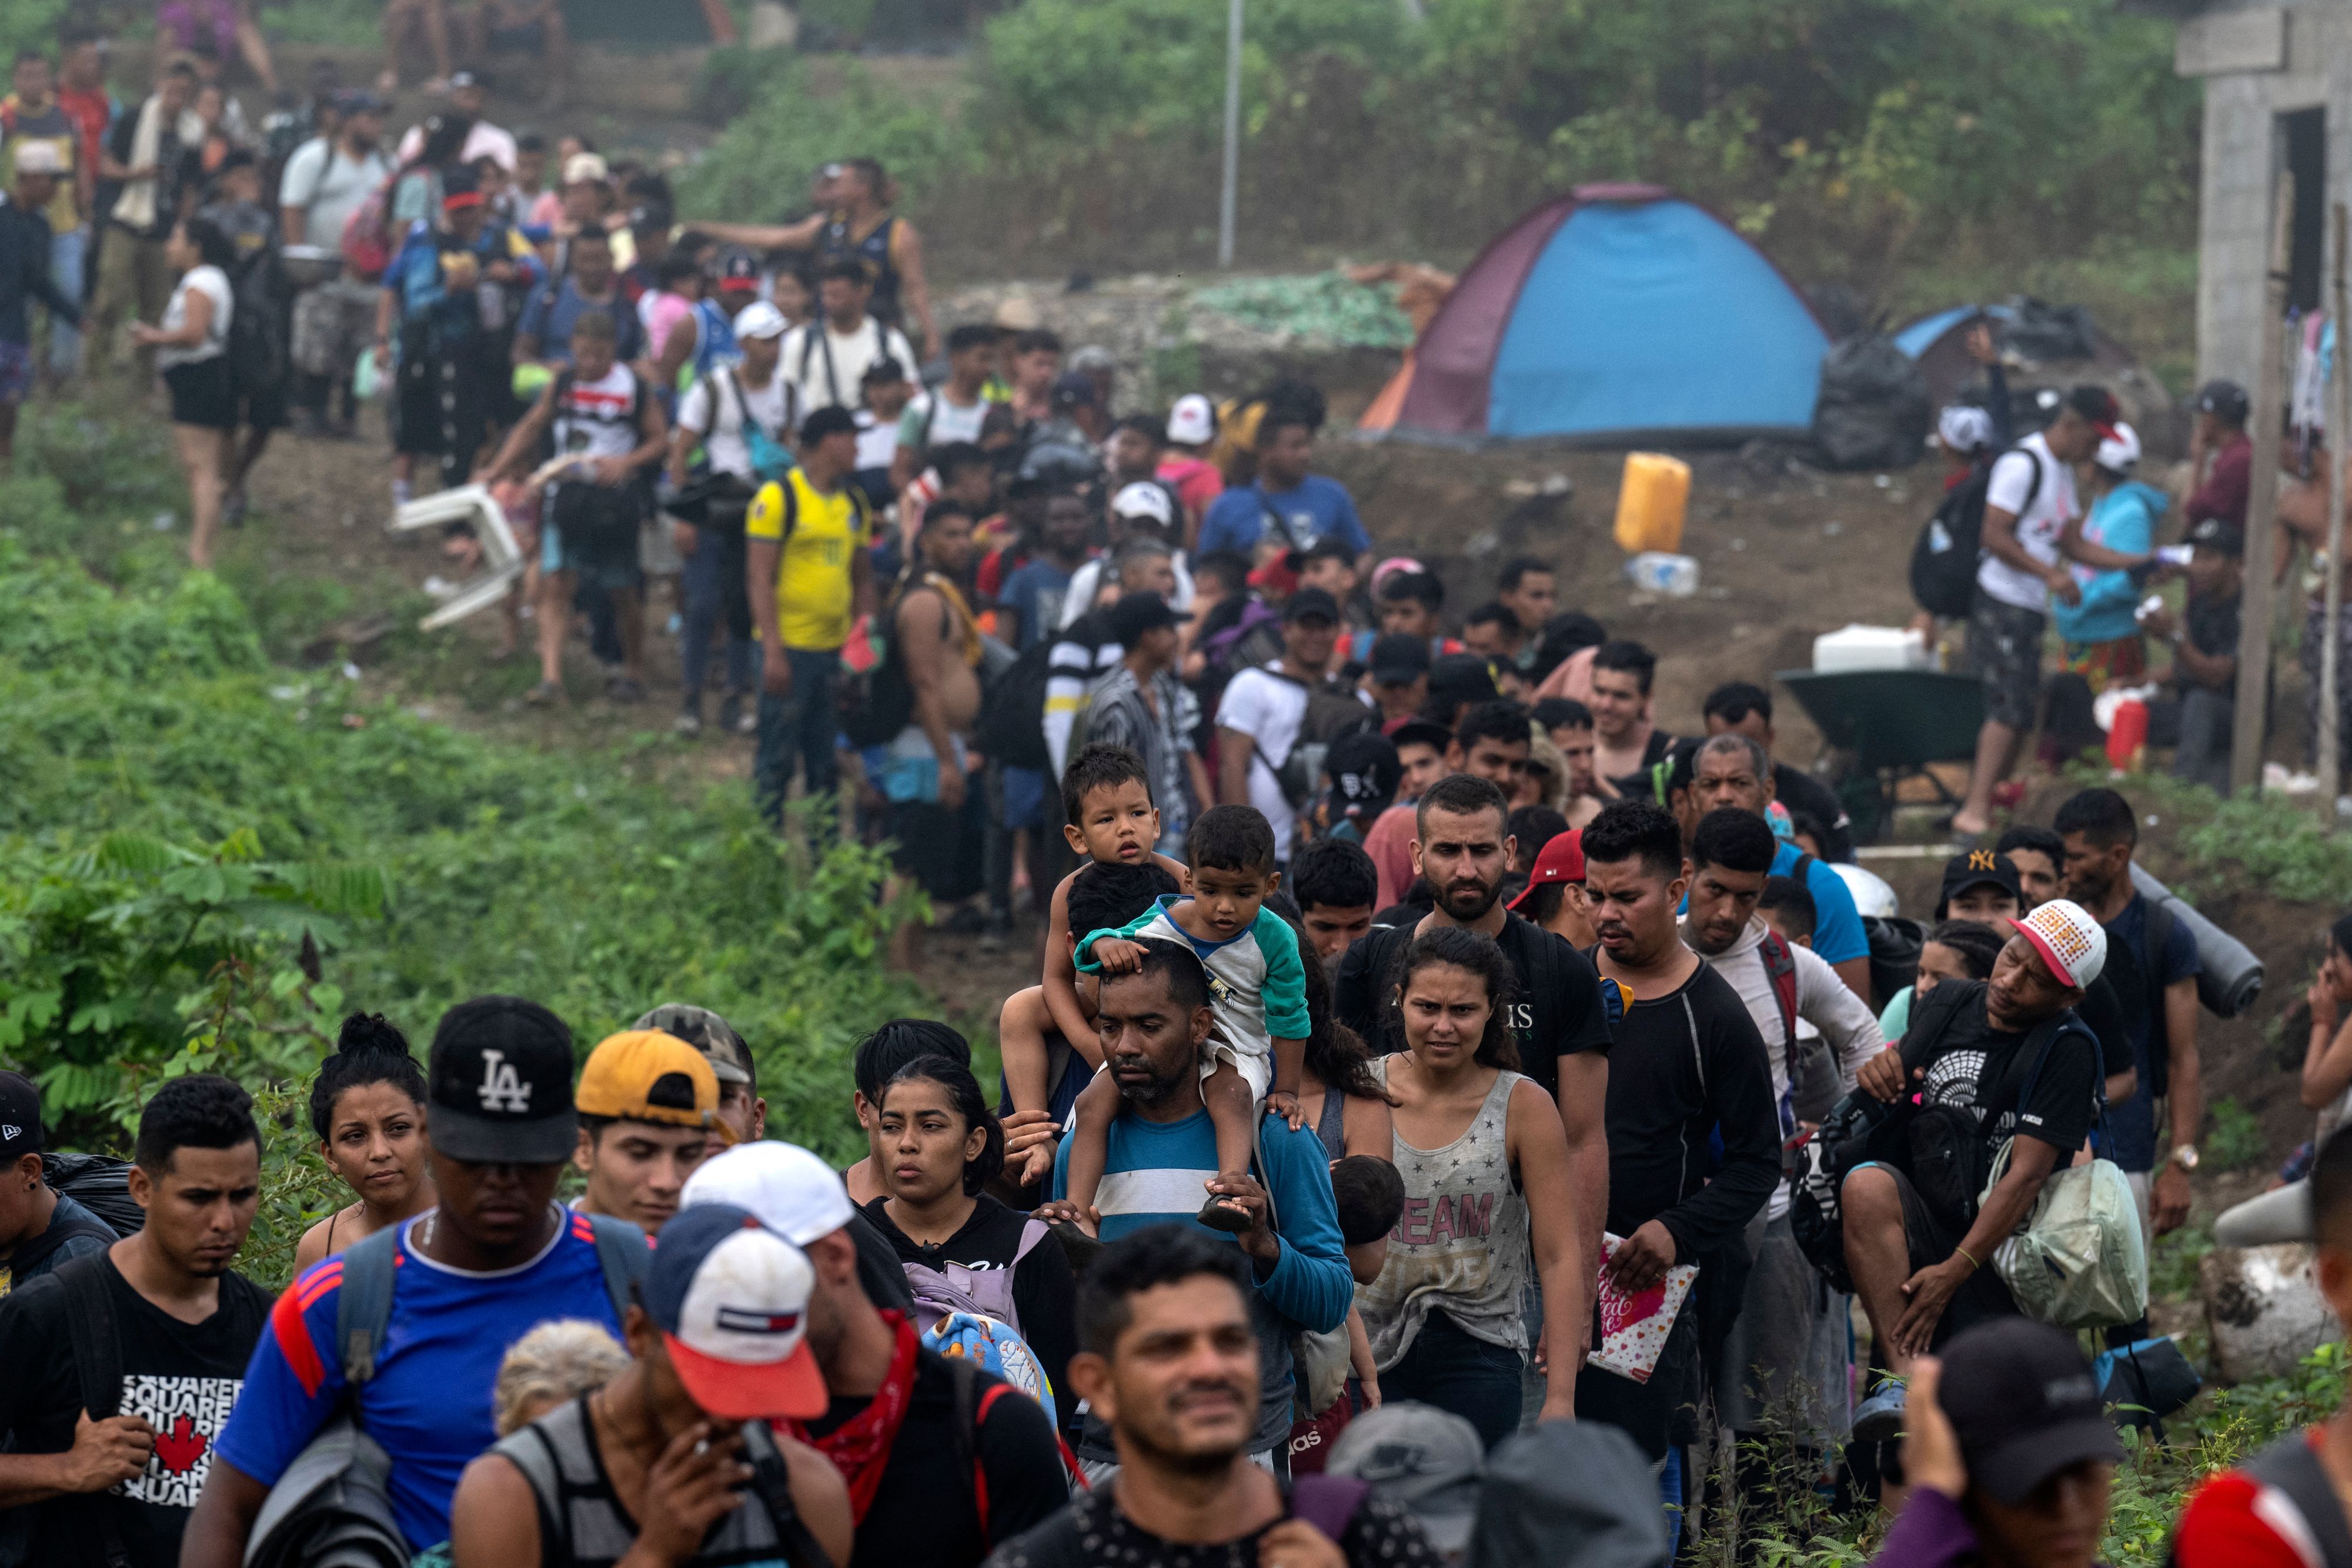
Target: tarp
[(1611, 313)]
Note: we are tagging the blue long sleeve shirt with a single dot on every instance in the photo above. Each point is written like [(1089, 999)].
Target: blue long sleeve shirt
[(1157, 1174)]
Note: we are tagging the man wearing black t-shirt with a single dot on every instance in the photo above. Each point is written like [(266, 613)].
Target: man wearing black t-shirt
[(1170, 1360), (2010, 1056), (1688, 1062), (124, 1365), (1460, 848), (939, 1474)]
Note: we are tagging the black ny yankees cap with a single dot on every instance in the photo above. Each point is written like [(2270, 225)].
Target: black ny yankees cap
[(500, 1084)]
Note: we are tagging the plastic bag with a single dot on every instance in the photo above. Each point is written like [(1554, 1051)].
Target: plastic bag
[(2077, 1262)]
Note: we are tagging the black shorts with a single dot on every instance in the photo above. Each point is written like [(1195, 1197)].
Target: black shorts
[(201, 395), (264, 408), (938, 848), (1931, 1238)]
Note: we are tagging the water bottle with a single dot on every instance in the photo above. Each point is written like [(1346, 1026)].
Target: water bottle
[(1656, 571)]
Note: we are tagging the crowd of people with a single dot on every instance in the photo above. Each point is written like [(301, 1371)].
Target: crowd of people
[(1426, 1045), (1296, 1220)]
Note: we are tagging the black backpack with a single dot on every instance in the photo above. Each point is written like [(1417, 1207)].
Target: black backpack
[(1011, 728), (259, 325), (100, 1183), (1950, 544), (1334, 712)]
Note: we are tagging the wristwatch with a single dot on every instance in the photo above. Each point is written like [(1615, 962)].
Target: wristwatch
[(2185, 1156)]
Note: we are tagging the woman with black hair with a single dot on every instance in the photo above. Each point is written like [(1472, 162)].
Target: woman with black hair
[(192, 350), (936, 1148), (367, 1105), (876, 1060), (1485, 1163), (1338, 1093)]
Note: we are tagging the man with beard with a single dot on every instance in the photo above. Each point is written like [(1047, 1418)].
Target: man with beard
[(1688, 1063), (1564, 1017), (1783, 1361), (1170, 1364), (1162, 1162)]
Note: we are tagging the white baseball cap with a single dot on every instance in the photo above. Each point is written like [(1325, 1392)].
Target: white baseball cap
[(2074, 945), (1192, 422), (730, 1298), (1143, 499), (585, 168), (1964, 429), (2119, 452), (790, 1189), (761, 319), (38, 158)]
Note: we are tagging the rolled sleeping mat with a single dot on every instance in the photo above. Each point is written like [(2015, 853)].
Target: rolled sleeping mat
[(2232, 976)]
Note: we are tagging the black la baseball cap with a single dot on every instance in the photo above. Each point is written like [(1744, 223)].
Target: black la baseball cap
[(1398, 659), (1311, 605), (498, 1086), (20, 1117), (2024, 1406), (1963, 872)]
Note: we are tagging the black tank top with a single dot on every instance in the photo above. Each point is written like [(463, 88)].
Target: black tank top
[(873, 250)]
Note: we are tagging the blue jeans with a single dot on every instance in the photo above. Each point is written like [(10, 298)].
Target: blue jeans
[(707, 608), (802, 721), (1447, 1367), (66, 252)]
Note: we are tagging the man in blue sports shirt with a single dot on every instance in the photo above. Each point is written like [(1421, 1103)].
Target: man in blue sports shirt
[(498, 1257)]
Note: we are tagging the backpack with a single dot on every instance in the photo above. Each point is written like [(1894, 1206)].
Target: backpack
[(878, 702), (815, 338), (1943, 559), (100, 1183), (98, 1358), (1011, 728), (2289, 1468), (367, 241), (1895, 942), (981, 1293), (363, 1304), (258, 325), (1333, 713), (30, 1255)]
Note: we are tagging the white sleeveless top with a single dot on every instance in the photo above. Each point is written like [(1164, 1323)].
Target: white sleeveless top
[(1462, 1246)]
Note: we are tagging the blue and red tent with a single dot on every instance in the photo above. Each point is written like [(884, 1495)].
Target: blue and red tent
[(1613, 313)]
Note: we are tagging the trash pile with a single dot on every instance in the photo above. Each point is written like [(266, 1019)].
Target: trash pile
[(1323, 307)]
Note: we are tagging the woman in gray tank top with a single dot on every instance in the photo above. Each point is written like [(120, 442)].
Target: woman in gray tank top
[(1485, 1163)]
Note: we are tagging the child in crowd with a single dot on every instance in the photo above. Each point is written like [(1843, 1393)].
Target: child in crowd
[(1106, 803), (1370, 1197), (1257, 988), (1787, 905)]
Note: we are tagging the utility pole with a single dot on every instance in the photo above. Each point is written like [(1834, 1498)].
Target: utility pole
[(2339, 422), (2261, 506), (1229, 195)]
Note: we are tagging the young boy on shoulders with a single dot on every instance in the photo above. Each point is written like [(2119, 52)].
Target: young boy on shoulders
[(1107, 801), (1257, 988)]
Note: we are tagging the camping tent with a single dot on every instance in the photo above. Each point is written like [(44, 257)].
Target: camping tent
[(1612, 313)]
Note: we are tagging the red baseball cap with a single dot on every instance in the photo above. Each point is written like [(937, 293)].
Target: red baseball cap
[(1562, 861)]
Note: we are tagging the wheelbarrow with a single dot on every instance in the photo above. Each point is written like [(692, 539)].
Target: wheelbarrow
[(1887, 726)]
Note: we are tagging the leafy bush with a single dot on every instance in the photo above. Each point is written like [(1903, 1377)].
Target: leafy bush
[(2238, 1140), (204, 861), (760, 167)]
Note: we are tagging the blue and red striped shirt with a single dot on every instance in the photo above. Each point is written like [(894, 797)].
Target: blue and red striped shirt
[(429, 1403)]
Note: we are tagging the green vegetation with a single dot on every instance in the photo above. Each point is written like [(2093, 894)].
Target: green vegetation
[(2238, 1140), (1914, 154), (1324, 308), (205, 859)]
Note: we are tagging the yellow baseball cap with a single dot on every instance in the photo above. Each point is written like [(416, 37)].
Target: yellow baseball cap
[(646, 1075)]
